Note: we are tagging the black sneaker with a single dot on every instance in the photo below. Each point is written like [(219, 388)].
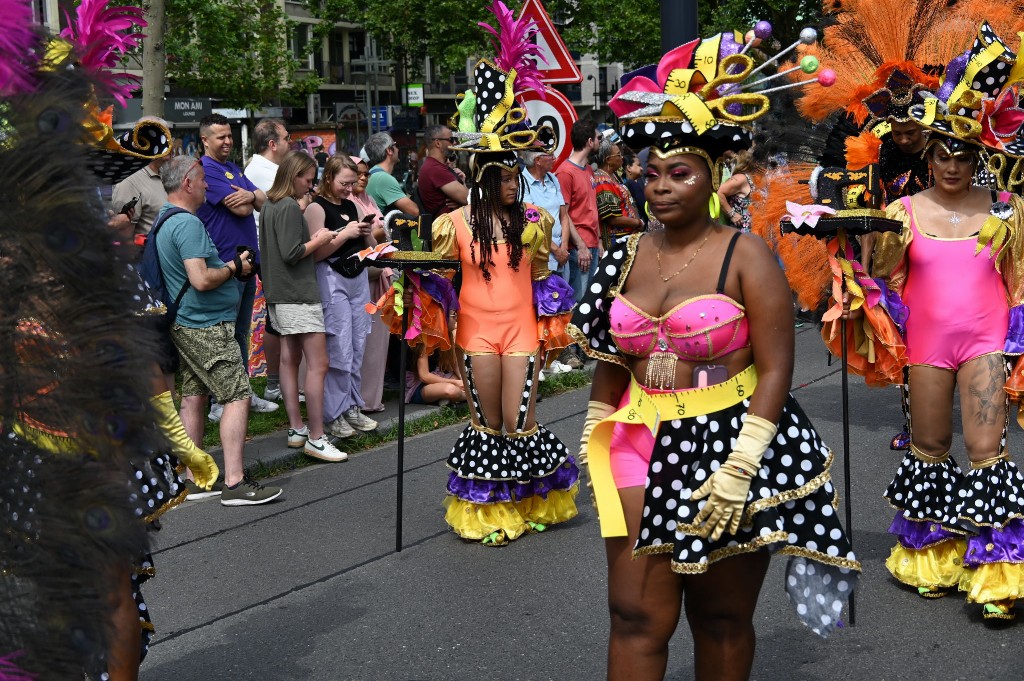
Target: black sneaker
[(195, 492), (248, 493)]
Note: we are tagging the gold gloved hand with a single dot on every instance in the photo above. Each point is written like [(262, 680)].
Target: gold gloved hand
[(202, 465), (726, 489)]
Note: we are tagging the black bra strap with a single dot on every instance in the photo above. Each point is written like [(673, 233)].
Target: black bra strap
[(725, 264)]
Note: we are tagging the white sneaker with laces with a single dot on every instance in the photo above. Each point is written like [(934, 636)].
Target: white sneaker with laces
[(339, 427), (261, 406), (297, 438), (359, 420), (272, 394), (322, 449), (216, 411)]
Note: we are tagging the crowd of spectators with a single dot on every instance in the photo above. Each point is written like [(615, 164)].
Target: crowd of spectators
[(321, 344)]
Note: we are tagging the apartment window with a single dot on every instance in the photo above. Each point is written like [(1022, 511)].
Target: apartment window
[(300, 42)]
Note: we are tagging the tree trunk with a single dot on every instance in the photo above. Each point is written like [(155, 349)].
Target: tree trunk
[(154, 60)]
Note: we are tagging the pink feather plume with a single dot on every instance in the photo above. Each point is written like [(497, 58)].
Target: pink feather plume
[(515, 47), (102, 36), (18, 40)]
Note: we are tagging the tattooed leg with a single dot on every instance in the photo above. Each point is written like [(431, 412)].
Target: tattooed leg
[(983, 404)]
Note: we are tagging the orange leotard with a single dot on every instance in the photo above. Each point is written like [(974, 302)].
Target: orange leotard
[(496, 316)]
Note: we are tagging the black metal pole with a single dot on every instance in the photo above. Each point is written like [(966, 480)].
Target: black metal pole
[(678, 23), (848, 485), (401, 435)]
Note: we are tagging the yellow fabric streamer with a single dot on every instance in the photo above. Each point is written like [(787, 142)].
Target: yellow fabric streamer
[(649, 410)]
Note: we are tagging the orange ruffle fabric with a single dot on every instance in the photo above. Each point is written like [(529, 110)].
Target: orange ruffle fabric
[(431, 323), (552, 331), (875, 347)]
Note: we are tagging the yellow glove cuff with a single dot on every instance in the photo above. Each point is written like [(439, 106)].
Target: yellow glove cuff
[(752, 442), (596, 412)]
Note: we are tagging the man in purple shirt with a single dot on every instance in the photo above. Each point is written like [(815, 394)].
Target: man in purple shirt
[(231, 199)]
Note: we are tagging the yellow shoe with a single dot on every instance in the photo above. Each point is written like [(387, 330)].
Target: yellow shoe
[(1000, 610)]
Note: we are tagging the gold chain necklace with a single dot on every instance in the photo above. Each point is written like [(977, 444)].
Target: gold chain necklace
[(692, 258)]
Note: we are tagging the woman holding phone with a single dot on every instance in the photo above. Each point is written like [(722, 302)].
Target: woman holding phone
[(288, 245), (344, 293)]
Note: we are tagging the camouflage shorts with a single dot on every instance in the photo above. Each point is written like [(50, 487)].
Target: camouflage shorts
[(211, 363)]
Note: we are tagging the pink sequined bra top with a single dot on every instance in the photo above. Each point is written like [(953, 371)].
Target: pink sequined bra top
[(700, 329)]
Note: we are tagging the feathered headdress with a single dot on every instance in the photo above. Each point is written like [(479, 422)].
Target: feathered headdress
[(95, 41), (488, 118), (698, 96)]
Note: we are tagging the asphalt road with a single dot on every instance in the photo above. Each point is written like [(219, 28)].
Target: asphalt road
[(311, 588)]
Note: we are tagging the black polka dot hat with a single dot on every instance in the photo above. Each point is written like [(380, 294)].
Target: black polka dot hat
[(114, 157), (488, 119)]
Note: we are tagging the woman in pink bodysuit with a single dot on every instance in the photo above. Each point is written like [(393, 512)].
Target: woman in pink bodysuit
[(954, 266)]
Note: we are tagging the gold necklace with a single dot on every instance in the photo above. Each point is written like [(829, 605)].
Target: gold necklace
[(692, 258)]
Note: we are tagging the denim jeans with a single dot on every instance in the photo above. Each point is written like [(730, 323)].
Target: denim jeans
[(580, 280)]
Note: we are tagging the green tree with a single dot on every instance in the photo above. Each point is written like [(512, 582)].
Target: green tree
[(236, 50), (629, 32)]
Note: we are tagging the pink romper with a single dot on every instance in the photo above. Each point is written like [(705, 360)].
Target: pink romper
[(957, 300)]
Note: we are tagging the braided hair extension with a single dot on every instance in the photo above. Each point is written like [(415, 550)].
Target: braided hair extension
[(487, 204)]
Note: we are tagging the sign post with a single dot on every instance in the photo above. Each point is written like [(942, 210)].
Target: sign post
[(555, 110)]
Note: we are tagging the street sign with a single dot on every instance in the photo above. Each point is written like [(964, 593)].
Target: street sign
[(556, 111), (381, 117), (414, 94), (560, 67)]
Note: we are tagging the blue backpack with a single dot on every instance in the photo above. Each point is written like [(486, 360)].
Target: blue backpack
[(149, 268)]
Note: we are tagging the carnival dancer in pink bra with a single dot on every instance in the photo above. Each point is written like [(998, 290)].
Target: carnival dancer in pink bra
[(956, 265), (702, 464)]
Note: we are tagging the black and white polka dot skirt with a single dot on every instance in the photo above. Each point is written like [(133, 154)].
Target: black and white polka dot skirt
[(924, 491), (491, 468), (791, 507)]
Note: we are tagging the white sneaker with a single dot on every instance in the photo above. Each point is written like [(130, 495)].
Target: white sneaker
[(359, 420), (261, 406), (297, 438), (339, 427), (216, 411), (541, 376), (302, 396), (323, 449), (272, 394), (557, 367)]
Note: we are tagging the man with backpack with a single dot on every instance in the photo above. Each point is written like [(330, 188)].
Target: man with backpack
[(202, 297)]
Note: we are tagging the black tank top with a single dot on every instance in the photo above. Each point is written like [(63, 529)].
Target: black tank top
[(336, 217)]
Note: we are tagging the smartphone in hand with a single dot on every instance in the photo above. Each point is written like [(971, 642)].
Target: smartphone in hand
[(130, 206)]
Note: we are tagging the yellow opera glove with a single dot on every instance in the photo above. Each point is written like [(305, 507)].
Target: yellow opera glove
[(202, 465), (596, 412), (727, 488)]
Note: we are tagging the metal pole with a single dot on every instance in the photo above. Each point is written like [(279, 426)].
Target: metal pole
[(401, 436), (848, 484), (678, 23)]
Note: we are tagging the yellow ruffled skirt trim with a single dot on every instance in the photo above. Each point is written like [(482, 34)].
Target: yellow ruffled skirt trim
[(991, 582), (939, 566), (476, 521)]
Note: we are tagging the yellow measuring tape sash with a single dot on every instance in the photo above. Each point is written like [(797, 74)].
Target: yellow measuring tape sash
[(650, 410)]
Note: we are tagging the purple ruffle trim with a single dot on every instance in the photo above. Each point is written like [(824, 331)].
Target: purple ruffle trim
[(918, 534), (893, 305), (479, 491), (996, 546), (1015, 334), (552, 296), (440, 289)]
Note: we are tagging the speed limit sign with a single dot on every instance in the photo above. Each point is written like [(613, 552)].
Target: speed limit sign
[(555, 111)]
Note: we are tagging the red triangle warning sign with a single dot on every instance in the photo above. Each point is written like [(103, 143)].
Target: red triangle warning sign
[(561, 67)]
